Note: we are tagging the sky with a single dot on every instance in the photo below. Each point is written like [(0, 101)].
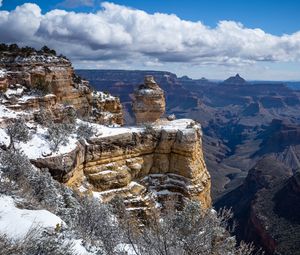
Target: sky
[(259, 39)]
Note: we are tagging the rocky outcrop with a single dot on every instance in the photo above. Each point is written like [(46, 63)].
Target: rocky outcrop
[(145, 167), (149, 102), (235, 80), (266, 207), (51, 75)]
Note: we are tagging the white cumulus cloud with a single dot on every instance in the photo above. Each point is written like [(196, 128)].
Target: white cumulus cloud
[(120, 33)]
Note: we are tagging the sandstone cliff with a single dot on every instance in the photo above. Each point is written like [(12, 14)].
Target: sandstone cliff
[(145, 167), (50, 82)]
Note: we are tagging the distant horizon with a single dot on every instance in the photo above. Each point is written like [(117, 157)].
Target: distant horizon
[(180, 76)]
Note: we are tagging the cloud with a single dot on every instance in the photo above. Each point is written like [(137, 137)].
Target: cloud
[(1, 3), (20, 24), (76, 3), (119, 33)]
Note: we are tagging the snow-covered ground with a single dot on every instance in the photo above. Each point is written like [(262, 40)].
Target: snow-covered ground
[(16, 223), (7, 113), (179, 124), (38, 146), (2, 73), (103, 96)]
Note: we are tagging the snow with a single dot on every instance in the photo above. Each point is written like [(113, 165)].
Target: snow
[(126, 248), (179, 124), (16, 223), (38, 145), (106, 131), (105, 172), (147, 91), (7, 113), (39, 58), (79, 249), (14, 92), (98, 195), (103, 96), (25, 98), (4, 138), (82, 189), (2, 73)]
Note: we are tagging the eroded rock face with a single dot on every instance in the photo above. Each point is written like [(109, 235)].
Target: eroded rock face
[(266, 207), (145, 168), (149, 101), (55, 76), (3, 81)]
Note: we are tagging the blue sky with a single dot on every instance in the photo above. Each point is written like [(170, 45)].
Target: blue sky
[(271, 53), (273, 16)]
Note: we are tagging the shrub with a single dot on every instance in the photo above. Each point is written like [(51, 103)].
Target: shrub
[(149, 129), (17, 131), (47, 50), (85, 131), (14, 164), (58, 134), (97, 226), (69, 115), (42, 86), (35, 243), (43, 117), (191, 231)]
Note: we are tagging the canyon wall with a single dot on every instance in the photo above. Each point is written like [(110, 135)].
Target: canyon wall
[(40, 75), (145, 167)]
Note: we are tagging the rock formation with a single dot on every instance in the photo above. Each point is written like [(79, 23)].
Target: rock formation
[(235, 80), (266, 207), (145, 165), (145, 168), (41, 77), (149, 102)]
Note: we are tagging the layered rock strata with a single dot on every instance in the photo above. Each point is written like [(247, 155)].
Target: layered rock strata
[(145, 168), (149, 102), (38, 76)]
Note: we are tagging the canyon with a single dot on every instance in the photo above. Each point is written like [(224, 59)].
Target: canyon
[(149, 148), (250, 143)]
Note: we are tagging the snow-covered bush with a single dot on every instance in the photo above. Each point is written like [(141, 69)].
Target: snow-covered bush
[(97, 225), (36, 243), (191, 125), (69, 115), (149, 129), (85, 131), (14, 165), (17, 131), (43, 117), (58, 134), (190, 231)]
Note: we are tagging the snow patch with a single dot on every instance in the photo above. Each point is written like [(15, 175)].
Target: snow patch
[(38, 145), (2, 73), (103, 96), (16, 223)]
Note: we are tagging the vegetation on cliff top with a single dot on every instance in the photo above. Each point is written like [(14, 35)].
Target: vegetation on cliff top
[(15, 50)]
